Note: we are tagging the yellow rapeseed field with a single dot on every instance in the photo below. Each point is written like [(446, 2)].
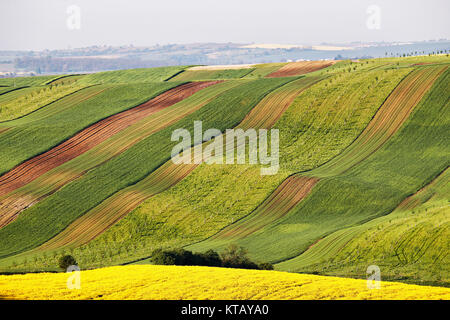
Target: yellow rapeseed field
[(175, 282)]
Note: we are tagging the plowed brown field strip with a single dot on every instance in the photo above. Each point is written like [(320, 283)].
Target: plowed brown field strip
[(102, 217), (92, 136), (48, 183), (299, 68), (115, 208), (386, 122), (389, 118), (288, 194)]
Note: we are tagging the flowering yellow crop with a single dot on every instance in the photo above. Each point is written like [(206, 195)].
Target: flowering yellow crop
[(175, 282)]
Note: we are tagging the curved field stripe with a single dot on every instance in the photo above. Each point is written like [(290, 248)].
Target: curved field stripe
[(51, 181), (60, 105), (427, 192), (281, 201), (17, 93), (113, 209), (41, 222), (37, 99), (267, 113), (369, 190), (65, 79), (431, 197), (89, 138), (262, 70), (9, 89), (391, 115), (386, 122), (299, 68), (140, 75), (193, 75), (99, 219)]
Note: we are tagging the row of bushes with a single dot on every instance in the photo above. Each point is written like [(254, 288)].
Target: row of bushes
[(232, 257)]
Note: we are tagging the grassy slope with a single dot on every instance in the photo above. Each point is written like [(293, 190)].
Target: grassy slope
[(35, 100), (57, 177), (56, 107), (366, 66), (262, 70), (19, 92), (4, 90), (410, 244), (316, 121), (27, 81), (132, 75), (169, 173), (169, 219), (33, 137), (195, 75), (42, 221), (201, 283), (389, 117), (371, 189)]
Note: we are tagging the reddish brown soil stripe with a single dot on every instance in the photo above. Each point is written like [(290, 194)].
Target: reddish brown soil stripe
[(424, 194), (93, 135), (387, 120), (110, 211), (299, 68), (288, 194)]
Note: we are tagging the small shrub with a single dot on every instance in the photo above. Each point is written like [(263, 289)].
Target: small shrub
[(65, 261), (211, 259), (266, 266), (173, 257)]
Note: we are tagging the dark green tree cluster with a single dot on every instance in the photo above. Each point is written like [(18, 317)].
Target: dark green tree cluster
[(232, 257), (66, 261)]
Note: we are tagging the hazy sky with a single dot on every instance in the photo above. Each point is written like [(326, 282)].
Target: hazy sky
[(40, 24)]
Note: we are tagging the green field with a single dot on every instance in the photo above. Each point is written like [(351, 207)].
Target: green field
[(372, 189), (196, 75), (132, 75), (56, 211), (409, 244), (363, 177), (38, 133), (176, 221)]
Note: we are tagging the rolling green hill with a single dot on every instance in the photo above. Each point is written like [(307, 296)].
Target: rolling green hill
[(363, 177)]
